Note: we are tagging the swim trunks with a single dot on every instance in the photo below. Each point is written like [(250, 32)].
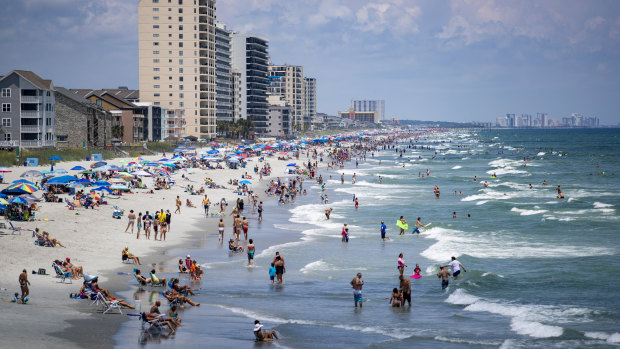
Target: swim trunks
[(383, 235), (250, 255), (406, 297), (444, 284), (456, 273), (357, 296), (279, 269)]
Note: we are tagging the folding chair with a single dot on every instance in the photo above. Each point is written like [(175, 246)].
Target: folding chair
[(62, 275)]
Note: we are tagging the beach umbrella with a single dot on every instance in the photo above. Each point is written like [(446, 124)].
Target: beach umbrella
[(3, 202), (102, 183), (84, 181), (29, 197), (2, 207), (5, 169), (164, 159), (60, 171), (101, 168), (3, 196), (98, 164), (77, 168), (18, 200), (142, 174), (233, 160), (46, 172), (119, 187), (22, 181), (102, 189), (55, 158), (62, 180), (25, 187), (32, 173), (117, 180), (114, 168), (291, 165), (245, 181)]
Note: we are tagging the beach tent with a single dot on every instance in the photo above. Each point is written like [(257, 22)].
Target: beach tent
[(62, 180)]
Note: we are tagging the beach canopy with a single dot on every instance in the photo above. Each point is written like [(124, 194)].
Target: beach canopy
[(32, 173), (245, 181), (18, 200), (85, 181), (55, 157), (62, 180), (77, 168), (22, 181)]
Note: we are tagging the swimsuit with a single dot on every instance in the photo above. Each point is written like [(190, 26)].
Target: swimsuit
[(357, 296), (250, 255), (279, 269)]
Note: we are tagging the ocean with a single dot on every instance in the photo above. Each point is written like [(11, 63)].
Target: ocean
[(541, 272)]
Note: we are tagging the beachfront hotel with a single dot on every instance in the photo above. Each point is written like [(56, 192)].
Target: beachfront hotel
[(223, 74), (250, 60), (177, 60), (309, 100), (364, 105), (287, 82)]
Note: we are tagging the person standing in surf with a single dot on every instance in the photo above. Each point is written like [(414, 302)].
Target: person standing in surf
[(357, 285), (401, 264), (382, 229), (418, 223), (445, 277), (456, 267), (403, 222)]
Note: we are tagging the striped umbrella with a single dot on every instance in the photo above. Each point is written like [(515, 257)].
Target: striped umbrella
[(25, 187)]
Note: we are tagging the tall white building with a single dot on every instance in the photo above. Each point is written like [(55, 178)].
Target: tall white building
[(309, 100), (250, 60), (176, 40), (361, 105), (223, 76), (287, 81)]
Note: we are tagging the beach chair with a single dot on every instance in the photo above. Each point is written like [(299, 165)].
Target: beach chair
[(107, 305), (152, 324), (156, 282), (126, 259), (17, 230), (63, 276)]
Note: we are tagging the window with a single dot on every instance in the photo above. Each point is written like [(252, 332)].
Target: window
[(180, 61), (155, 18), (156, 103), (180, 53), (156, 60), (181, 104), (155, 94), (181, 27), (155, 1), (180, 87), (6, 92), (155, 26), (180, 2), (155, 35), (7, 136), (180, 10), (180, 44), (180, 78), (6, 107), (155, 52), (155, 69), (156, 86), (180, 96), (181, 70), (6, 122), (170, 95), (180, 19), (155, 43), (155, 9), (155, 77), (180, 36)]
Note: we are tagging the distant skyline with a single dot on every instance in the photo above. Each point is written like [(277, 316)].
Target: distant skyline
[(451, 60)]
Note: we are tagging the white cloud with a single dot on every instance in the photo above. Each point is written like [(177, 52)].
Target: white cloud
[(388, 16), (328, 11)]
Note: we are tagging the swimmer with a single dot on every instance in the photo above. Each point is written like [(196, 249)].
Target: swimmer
[(454, 214), (418, 223), (544, 182), (251, 250), (328, 212), (382, 229), (403, 221), (401, 264), (531, 186)]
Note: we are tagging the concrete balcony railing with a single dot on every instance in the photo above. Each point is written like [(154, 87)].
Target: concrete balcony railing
[(30, 114), (31, 99), (36, 129)]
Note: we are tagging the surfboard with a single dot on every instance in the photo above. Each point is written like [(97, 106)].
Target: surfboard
[(427, 225), (416, 276), (402, 225)]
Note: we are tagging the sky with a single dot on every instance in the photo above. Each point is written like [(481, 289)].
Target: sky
[(451, 60)]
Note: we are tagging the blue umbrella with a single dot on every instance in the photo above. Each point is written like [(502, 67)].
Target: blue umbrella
[(114, 168), (18, 200), (102, 183), (2, 207), (102, 189), (119, 186), (78, 168), (164, 159), (55, 157), (3, 196), (22, 181), (85, 180), (291, 165), (245, 181), (62, 180)]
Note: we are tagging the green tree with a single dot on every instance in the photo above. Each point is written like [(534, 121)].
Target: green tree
[(117, 131)]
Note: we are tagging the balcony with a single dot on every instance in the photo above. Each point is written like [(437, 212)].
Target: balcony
[(37, 143), (31, 99), (29, 129), (30, 114), (9, 143)]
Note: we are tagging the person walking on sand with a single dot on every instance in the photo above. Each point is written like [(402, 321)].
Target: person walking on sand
[(401, 264), (139, 218), (178, 202), (23, 283), (357, 285), (456, 267), (132, 218), (168, 219), (444, 275), (205, 204), (244, 225)]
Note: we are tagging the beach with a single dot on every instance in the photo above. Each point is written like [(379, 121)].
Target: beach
[(532, 275), (94, 240)]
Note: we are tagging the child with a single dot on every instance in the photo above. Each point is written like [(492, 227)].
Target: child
[(417, 269), (272, 272)]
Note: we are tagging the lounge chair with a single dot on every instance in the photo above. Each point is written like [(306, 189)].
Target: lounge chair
[(140, 282), (17, 230), (62, 274), (126, 259), (107, 305), (159, 283)]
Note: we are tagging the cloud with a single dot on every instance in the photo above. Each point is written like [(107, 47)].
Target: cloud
[(386, 16), (328, 11)]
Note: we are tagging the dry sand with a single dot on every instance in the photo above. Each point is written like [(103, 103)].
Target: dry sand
[(94, 240)]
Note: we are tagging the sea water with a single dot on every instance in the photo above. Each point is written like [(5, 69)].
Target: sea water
[(541, 272)]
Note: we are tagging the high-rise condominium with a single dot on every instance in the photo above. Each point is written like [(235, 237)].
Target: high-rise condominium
[(250, 61), (287, 82), (309, 100), (223, 77), (177, 70)]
